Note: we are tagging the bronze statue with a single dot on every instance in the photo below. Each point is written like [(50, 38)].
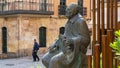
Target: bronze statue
[(69, 51)]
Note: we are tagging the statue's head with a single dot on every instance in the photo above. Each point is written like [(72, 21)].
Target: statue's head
[(72, 10)]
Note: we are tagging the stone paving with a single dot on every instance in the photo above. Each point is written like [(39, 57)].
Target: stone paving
[(23, 62)]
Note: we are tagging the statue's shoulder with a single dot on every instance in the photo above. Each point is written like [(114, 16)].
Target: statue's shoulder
[(80, 20)]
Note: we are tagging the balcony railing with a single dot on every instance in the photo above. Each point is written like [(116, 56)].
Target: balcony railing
[(25, 7), (61, 9)]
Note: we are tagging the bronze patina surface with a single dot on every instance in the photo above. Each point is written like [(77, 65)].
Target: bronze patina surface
[(69, 50)]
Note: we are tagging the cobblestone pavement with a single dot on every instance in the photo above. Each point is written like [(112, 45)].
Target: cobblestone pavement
[(23, 62)]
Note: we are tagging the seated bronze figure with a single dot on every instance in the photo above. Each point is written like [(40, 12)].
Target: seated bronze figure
[(69, 50)]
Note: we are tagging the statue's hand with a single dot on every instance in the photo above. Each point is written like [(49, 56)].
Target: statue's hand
[(68, 42), (68, 50), (52, 49), (69, 46)]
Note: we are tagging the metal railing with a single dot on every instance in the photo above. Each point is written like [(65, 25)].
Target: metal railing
[(61, 10), (25, 7)]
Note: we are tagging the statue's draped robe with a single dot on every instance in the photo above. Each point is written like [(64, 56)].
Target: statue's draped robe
[(77, 30)]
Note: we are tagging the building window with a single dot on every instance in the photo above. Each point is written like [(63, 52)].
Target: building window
[(62, 29), (1, 5), (62, 7), (4, 40), (42, 36), (80, 4), (62, 2), (85, 11)]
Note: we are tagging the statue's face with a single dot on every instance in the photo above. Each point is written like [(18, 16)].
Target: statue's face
[(69, 12)]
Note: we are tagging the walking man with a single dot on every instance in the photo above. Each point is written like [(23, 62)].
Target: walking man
[(35, 50)]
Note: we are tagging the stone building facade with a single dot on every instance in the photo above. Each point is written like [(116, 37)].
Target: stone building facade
[(21, 21)]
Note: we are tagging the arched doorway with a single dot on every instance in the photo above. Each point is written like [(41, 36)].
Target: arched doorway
[(4, 40), (42, 36)]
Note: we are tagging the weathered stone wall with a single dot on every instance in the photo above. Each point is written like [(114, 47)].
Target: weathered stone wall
[(1, 24), (12, 33), (21, 30)]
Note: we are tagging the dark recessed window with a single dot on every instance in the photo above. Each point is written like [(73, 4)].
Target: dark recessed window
[(42, 36), (85, 11), (62, 2), (62, 7), (80, 4), (4, 40), (62, 29)]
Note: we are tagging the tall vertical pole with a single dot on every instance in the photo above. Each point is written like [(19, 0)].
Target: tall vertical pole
[(94, 27), (108, 14), (111, 13), (104, 52), (97, 46), (110, 53), (89, 61), (108, 25), (115, 14), (94, 22), (98, 21), (97, 56), (102, 19)]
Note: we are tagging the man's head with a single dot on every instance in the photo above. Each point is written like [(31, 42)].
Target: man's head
[(34, 40), (72, 10)]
